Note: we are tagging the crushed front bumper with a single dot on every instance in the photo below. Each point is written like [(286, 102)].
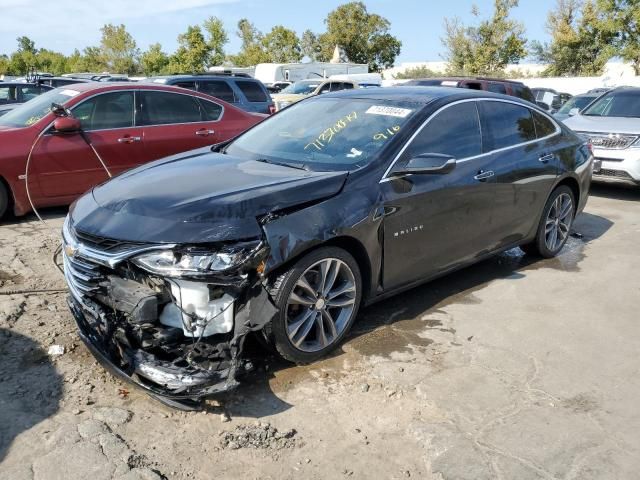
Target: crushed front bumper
[(93, 329)]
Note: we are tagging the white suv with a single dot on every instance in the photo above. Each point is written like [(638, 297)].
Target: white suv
[(612, 123)]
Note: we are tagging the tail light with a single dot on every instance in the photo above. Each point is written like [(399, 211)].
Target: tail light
[(272, 109)]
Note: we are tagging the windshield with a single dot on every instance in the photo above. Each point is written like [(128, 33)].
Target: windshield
[(625, 103), (576, 102), (32, 111), (302, 88), (336, 133)]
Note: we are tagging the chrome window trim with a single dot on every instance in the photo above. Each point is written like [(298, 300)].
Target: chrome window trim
[(386, 177), (135, 93)]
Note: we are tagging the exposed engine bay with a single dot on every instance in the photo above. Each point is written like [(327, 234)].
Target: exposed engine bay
[(180, 339)]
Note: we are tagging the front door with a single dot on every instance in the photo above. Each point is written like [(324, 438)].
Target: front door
[(65, 165), (434, 222)]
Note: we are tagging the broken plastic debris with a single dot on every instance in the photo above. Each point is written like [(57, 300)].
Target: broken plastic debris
[(55, 350)]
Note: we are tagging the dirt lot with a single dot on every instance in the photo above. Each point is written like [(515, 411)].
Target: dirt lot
[(513, 369)]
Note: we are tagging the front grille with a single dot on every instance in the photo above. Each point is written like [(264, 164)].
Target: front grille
[(104, 244), (605, 172), (82, 275), (610, 141)]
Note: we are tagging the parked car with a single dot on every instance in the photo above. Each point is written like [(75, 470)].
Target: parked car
[(127, 124), (337, 201), (612, 122), (13, 93), (277, 87), (307, 88), (495, 85), (60, 81), (241, 91), (575, 105), (549, 99)]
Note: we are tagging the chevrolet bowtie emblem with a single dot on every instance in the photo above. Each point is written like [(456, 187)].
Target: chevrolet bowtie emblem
[(70, 250)]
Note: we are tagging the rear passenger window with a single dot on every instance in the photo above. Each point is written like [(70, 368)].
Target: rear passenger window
[(252, 90), (219, 89), (348, 86), (189, 85), (455, 131), (497, 88), (163, 108), (506, 124), (212, 111), (544, 126)]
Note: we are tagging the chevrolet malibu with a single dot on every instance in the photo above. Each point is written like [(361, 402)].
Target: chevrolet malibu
[(339, 201), (53, 141)]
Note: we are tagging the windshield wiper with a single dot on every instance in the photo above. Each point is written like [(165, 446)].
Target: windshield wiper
[(282, 164)]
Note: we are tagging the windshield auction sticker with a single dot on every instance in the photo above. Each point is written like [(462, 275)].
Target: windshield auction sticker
[(69, 93), (388, 111)]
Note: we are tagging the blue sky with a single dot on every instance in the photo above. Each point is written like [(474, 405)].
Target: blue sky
[(64, 24)]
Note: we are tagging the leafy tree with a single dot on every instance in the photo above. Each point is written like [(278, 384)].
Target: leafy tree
[(282, 45), (4, 64), (118, 49), (310, 45), (154, 61), (620, 21), (25, 44), (252, 50), (364, 36), (52, 62), (488, 47), (218, 38), (416, 72), (579, 43), (192, 54)]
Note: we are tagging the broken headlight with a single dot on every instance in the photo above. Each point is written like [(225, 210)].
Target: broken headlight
[(173, 263)]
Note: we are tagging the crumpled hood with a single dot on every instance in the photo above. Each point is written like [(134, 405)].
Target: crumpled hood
[(583, 123), (198, 197)]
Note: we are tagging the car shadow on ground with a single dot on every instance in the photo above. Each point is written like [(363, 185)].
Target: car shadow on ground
[(259, 399), (30, 387), (630, 193), (50, 213)]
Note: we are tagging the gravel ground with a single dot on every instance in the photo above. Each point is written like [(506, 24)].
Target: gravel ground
[(513, 368)]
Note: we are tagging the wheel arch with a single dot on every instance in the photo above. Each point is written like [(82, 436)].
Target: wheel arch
[(574, 185), (347, 243), (10, 198)]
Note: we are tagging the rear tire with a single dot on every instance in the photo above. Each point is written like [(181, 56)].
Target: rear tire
[(4, 200), (317, 301), (555, 224)]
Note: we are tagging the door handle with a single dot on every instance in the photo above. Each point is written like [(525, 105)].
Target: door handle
[(546, 158), (205, 132), (129, 139), (482, 175)]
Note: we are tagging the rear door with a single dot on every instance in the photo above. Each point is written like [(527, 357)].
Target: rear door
[(522, 144), (174, 122), (219, 89), (434, 222), (66, 166), (256, 95)]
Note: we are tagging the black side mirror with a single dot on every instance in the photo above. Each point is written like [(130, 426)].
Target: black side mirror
[(427, 163)]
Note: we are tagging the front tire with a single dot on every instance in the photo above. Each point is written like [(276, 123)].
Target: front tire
[(4, 200), (555, 224), (318, 300)]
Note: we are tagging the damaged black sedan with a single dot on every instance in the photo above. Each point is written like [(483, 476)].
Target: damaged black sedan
[(337, 201)]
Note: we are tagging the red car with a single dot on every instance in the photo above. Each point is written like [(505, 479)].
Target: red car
[(127, 124)]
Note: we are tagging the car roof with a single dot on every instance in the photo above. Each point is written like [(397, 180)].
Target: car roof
[(13, 84), (460, 79), (183, 76), (419, 94)]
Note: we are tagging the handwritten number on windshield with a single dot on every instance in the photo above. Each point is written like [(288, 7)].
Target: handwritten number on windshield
[(390, 132), (327, 135)]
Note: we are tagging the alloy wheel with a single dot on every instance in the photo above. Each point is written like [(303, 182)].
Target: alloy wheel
[(320, 305), (558, 222)]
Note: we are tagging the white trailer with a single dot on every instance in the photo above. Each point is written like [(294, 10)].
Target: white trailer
[(269, 73)]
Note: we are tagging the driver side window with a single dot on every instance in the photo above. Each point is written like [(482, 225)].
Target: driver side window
[(455, 131), (106, 111)]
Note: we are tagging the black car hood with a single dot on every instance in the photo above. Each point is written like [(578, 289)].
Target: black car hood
[(198, 197)]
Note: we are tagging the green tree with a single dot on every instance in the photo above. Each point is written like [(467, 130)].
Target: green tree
[(416, 72), (310, 45), (282, 45), (620, 22), (154, 61), (192, 54), (252, 50), (52, 62), (364, 36), (580, 45), (488, 47), (218, 38), (118, 49), (4, 64)]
